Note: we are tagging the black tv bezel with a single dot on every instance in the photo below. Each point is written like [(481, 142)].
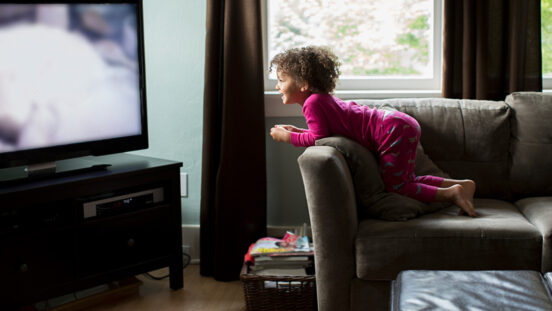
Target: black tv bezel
[(93, 147)]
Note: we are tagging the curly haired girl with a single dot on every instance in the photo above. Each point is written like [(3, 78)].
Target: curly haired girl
[(307, 76)]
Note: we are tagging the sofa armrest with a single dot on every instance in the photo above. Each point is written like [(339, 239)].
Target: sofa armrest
[(333, 215)]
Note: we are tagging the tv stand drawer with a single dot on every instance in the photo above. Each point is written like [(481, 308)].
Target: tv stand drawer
[(123, 240), (31, 265)]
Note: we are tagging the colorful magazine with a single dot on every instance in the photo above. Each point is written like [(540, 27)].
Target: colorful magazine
[(280, 247)]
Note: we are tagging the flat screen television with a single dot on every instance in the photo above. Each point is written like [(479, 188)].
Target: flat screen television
[(72, 80)]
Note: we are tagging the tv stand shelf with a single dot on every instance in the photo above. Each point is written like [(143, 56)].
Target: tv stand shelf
[(49, 248)]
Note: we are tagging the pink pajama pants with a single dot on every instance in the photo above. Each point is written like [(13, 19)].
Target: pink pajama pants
[(399, 137)]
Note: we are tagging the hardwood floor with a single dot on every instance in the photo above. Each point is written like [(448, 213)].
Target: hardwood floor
[(199, 293)]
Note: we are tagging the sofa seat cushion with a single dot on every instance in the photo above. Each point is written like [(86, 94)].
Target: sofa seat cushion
[(500, 238), (538, 210)]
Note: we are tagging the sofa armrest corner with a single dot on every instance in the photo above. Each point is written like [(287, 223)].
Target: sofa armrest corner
[(333, 214)]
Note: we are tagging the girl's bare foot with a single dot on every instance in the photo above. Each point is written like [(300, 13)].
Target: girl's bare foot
[(469, 186), (460, 196), (463, 198), (450, 193)]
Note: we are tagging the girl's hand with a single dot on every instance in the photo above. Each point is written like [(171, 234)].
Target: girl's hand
[(280, 134), (290, 128)]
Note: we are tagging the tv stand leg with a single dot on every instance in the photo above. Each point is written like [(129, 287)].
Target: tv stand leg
[(176, 275)]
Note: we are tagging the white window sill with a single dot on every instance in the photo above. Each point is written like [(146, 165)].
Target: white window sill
[(275, 108)]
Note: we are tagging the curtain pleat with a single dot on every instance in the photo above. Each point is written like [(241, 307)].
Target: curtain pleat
[(233, 188), (491, 48)]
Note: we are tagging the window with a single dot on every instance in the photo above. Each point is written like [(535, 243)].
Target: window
[(384, 46), (546, 39), (387, 48)]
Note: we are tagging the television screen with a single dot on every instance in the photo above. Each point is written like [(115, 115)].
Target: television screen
[(71, 80)]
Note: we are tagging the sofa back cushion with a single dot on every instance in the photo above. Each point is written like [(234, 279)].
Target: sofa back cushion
[(465, 138), (531, 146)]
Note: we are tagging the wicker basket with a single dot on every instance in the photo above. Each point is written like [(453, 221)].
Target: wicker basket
[(264, 292)]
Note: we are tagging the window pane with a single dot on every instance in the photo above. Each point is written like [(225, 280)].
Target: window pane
[(546, 37), (371, 37)]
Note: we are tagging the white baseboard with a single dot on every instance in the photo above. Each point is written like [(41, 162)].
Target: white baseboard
[(190, 237)]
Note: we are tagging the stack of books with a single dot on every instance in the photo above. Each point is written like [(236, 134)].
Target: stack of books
[(290, 256)]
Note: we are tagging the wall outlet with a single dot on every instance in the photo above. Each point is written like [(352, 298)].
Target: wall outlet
[(183, 184)]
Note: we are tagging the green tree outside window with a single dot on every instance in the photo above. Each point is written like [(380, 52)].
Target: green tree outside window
[(376, 38), (546, 37)]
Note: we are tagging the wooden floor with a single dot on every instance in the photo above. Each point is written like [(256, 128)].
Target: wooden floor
[(199, 293)]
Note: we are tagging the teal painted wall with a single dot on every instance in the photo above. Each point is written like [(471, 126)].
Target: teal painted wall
[(175, 55), (286, 201), (174, 37)]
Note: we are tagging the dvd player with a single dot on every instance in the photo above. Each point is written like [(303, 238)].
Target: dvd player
[(122, 203)]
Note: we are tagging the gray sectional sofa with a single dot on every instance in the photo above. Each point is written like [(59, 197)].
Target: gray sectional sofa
[(505, 146)]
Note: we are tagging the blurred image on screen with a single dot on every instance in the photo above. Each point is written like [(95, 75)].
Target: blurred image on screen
[(68, 74)]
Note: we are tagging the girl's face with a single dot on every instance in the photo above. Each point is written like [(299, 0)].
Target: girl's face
[(292, 92)]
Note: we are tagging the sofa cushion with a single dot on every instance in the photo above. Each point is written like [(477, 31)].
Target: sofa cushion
[(531, 151), (499, 238), (465, 138), (425, 166), (538, 211), (372, 199)]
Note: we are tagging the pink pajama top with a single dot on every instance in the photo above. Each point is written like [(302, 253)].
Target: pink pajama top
[(327, 115)]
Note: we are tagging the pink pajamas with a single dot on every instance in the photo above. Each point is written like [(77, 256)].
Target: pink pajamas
[(393, 135), (399, 137)]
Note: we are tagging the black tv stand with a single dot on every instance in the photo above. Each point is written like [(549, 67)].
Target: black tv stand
[(56, 240)]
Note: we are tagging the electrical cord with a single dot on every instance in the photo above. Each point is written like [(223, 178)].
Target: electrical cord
[(166, 276)]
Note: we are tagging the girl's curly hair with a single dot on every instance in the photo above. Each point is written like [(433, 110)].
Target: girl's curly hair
[(316, 65)]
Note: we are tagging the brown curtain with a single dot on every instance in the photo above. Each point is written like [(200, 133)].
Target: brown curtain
[(491, 48), (233, 186)]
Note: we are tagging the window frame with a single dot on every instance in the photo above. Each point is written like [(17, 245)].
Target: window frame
[(377, 87), (547, 83), (546, 79)]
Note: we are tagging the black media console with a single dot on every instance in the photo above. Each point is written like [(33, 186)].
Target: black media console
[(68, 233)]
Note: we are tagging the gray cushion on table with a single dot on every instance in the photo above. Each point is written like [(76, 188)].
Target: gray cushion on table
[(372, 199), (548, 279), (470, 290), (499, 238)]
